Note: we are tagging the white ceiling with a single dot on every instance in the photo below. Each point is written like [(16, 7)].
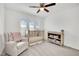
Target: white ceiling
[(24, 7)]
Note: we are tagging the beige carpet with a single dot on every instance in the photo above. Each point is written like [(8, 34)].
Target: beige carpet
[(48, 49)]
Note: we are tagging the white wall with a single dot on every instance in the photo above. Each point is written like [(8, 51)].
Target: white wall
[(13, 18), (1, 27), (68, 19)]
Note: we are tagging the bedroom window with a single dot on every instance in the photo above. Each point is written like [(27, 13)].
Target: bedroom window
[(34, 26), (31, 26), (26, 25), (24, 29)]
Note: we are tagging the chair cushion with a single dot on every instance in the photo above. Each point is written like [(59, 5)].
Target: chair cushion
[(20, 45)]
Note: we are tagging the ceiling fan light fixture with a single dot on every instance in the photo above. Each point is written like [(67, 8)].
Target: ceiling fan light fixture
[(42, 9)]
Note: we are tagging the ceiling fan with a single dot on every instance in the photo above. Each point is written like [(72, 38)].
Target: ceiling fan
[(43, 7)]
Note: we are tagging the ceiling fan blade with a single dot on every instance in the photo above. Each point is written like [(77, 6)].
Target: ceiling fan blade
[(46, 10), (52, 4), (38, 11), (34, 6)]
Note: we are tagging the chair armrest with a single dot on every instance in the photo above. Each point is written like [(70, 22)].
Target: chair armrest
[(11, 43), (11, 48)]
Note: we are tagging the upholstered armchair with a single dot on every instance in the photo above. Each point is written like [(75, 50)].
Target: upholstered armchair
[(16, 44)]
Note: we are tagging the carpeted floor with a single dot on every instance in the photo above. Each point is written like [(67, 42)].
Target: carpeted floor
[(48, 49)]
